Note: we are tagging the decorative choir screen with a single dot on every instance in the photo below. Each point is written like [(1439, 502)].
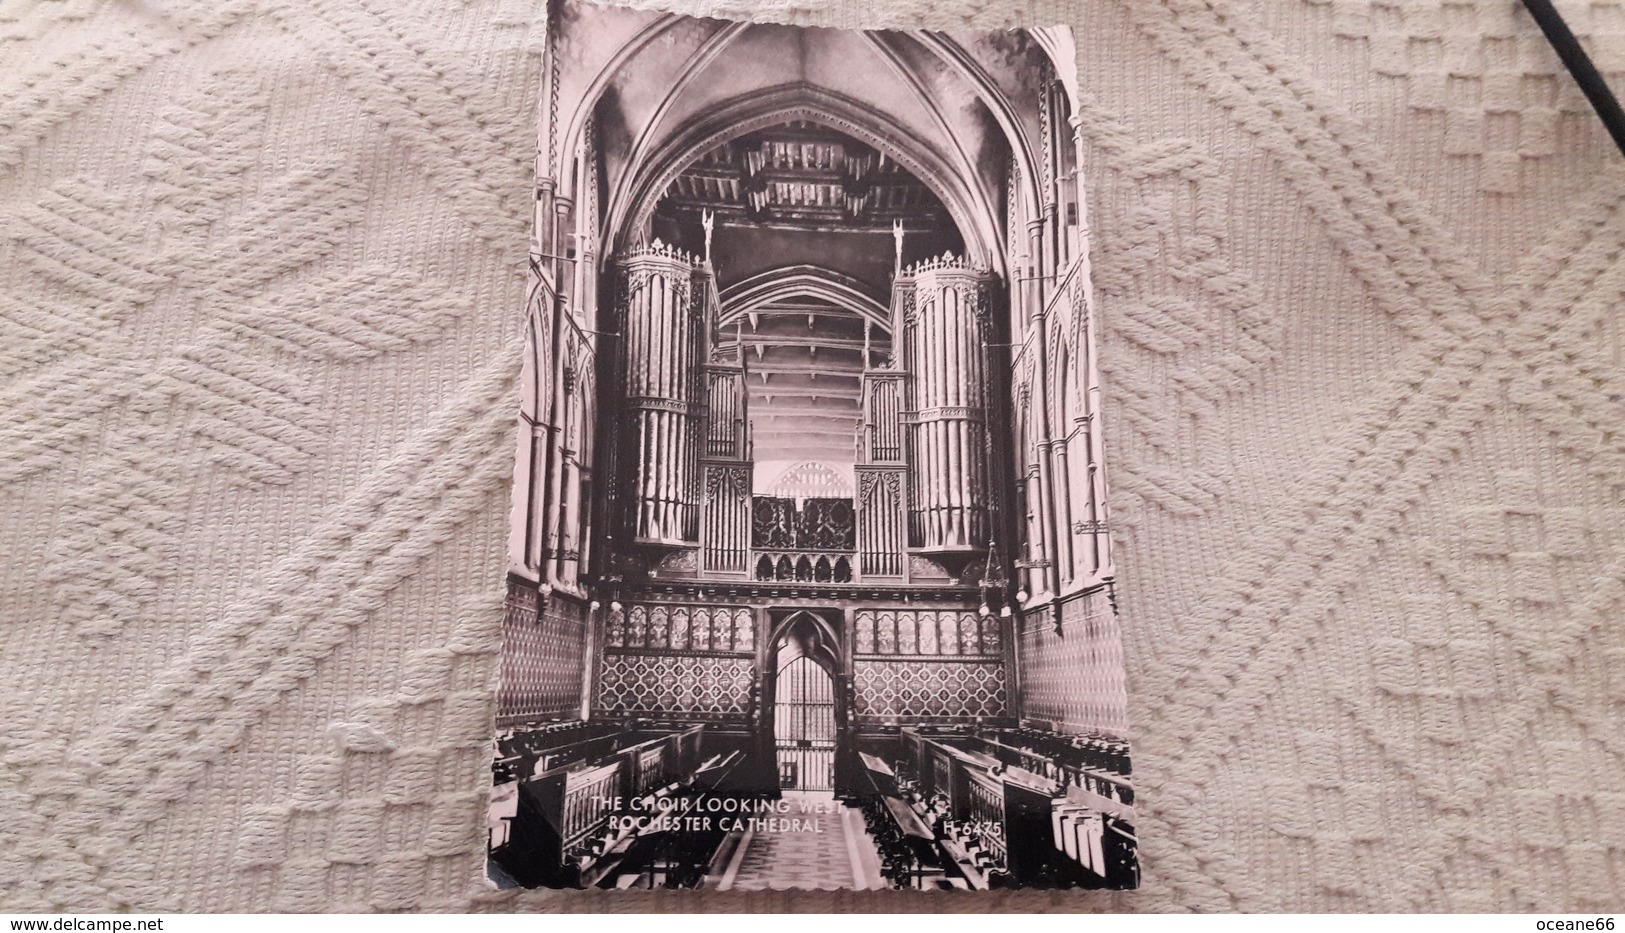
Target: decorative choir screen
[(818, 524), (928, 664), (935, 690), (947, 633), (664, 627), (688, 686)]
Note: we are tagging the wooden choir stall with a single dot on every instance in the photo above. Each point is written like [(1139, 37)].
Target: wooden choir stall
[(1002, 807), (599, 805)]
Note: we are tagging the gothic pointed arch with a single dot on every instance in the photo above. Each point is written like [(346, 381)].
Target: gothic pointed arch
[(803, 280), (632, 202), (804, 633), (973, 206)]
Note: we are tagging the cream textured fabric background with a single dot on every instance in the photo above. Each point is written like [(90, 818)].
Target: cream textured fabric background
[(261, 266)]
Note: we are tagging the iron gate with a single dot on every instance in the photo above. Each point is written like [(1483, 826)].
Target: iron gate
[(804, 726)]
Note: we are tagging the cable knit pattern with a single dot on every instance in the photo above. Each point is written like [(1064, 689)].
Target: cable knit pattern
[(1360, 268)]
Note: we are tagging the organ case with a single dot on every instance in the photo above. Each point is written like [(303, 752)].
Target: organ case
[(665, 314), (941, 310)]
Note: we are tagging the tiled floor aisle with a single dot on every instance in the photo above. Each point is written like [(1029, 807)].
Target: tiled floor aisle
[(803, 860)]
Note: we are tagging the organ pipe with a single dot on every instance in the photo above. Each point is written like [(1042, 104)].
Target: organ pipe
[(727, 516), (725, 537), (881, 411), (880, 533)]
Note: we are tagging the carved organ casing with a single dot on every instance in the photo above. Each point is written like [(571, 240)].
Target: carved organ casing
[(882, 538), (663, 327), (943, 306)]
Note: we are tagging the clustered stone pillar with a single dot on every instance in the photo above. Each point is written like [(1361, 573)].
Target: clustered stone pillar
[(944, 306), (662, 330)]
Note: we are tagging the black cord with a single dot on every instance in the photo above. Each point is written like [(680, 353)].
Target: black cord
[(1579, 64)]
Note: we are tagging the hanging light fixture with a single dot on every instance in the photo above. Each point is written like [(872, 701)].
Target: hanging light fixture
[(993, 578)]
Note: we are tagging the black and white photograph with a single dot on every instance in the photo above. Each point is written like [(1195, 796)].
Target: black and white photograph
[(808, 462), (811, 582)]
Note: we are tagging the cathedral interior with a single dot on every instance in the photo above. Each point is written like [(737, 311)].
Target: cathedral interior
[(809, 531)]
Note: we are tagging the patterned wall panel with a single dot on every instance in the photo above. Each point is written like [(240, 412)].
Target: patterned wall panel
[(1074, 679), (927, 662), (677, 658), (675, 627), (703, 687), (543, 658), (927, 632), (929, 688)]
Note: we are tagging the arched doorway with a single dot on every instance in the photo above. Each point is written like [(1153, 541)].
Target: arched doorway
[(806, 728)]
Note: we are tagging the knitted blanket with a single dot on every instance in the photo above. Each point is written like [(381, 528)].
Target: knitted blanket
[(261, 272)]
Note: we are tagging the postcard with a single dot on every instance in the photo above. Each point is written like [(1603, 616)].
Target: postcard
[(811, 579)]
